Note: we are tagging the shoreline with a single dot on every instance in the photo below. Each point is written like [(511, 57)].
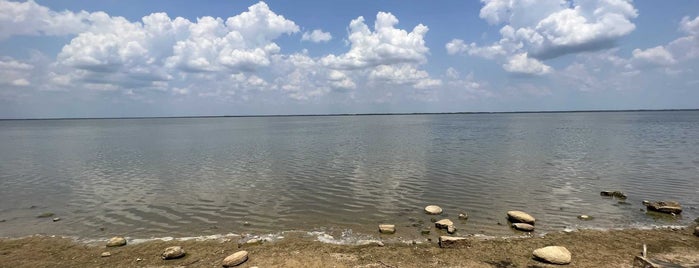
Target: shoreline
[(589, 248)]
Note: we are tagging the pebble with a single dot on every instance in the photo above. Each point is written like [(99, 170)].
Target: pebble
[(56, 219), (425, 231), (387, 228), (433, 210), (463, 216), (519, 216), (106, 254), (584, 217), (451, 229), (444, 223), (553, 254), (116, 241), (235, 259), (173, 253), (523, 227), (696, 231)]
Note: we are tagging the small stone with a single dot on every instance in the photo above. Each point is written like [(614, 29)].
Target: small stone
[(105, 254), (443, 224), (584, 217), (614, 194), (453, 241), (425, 231), (173, 253), (433, 210), (519, 216), (463, 216), (56, 219), (246, 223), (553, 254), (387, 228), (45, 215), (523, 227), (139, 259), (254, 241), (451, 229), (696, 231), (664, 206), (235, 259), (116, 241)]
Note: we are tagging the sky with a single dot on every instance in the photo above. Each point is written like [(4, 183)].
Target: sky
[(132, 58)]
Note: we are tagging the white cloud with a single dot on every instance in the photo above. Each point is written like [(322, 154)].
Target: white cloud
[(549, 29), (316, 36), (15, 73), (403, 74), (30, 18), (656, 56), (385, 45)]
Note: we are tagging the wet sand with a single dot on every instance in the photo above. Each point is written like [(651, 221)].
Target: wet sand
[(590, 248)]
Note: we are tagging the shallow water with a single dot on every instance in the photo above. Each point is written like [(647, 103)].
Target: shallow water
[(199, 176)]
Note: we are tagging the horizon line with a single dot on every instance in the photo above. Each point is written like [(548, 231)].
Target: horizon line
[(353, 114)]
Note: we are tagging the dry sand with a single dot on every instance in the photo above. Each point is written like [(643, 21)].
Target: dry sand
[(589, 248)]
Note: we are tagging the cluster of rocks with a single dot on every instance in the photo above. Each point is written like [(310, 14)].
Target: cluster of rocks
[(670, 207), (521, 220), (176, 252)]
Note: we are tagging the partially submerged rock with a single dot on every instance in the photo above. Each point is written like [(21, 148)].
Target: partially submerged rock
[(433, 210), (584, 217), (670, 207), (116, 241), (463, 216), (235, 259), (515, 216), (387, 228), (443, 224), (173, 253), (451, 229), (453, 241), (614, 194), (553, 254), (523, 227)]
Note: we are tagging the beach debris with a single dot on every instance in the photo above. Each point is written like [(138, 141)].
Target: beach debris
[(553, 254), (453, 241), (584, 217), (387, 228), (515, 216), (696, 231), (443, 224), (523, 227), (235, 259), (614, 194), (45, 215), (116, 241), (105, 254), (173, 252), (451, 229), (56, 219), (670, 207), (463, 216), (433, 210)]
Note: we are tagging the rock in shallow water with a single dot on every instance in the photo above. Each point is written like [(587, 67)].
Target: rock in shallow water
[(520, 216), (433, 210), (664, 206), (387, 228), (235, 259), (173, 253), (614, 194), (444, 224), (116, 241), (463, 216), (584, 217), (553, 254), (451, 229), (523, 227)]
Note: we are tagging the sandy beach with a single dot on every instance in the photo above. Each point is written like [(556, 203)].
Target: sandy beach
[(589, 248)]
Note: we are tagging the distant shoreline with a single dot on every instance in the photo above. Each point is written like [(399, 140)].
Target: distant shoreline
[(354, 114)]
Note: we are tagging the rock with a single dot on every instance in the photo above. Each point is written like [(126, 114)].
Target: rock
[(696, 231), (553, 254), (584, 217), (643, 262), (453, 241), (45, 215), (523, 227), (519, 216), (116, 241), (246, 223), (443, 224), (425, 231), (614, 194), (387, 228), (664, 206), (451, 229), (235, 259), (173, 253), (433, 210), (105, 254), (463, 216)]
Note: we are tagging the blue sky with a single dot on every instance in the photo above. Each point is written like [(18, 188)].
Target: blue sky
[(184, 58)]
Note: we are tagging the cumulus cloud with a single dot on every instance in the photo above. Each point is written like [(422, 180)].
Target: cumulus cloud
[(30, 18), (657, 56), (384, 45), (14, 72), (316, 36), (534, 31)]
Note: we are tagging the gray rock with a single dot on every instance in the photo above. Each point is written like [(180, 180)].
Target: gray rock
[(235, 259), (519, 216), (444, 223), (523, 227), (173, 253), (433, 210), (553, 254), (453, 241), (669, 207), (116, 241), (387, 228)]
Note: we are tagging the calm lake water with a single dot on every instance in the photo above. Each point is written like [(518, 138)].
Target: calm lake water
[(200, 176)]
